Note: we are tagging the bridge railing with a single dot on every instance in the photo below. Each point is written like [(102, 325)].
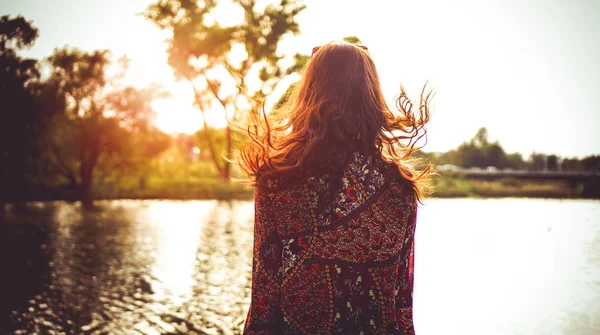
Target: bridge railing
[(494, 172)]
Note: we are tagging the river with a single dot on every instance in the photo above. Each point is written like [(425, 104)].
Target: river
[(502, 266)]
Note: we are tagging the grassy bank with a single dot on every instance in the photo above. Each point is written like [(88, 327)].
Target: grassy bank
[(180, 190), (451, 187), (445, 187)]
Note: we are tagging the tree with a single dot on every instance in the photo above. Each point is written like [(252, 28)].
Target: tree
[(515, 161), (352, 39), (553, 163), (480, 140), (537, 162), (495, 156), (103, 129), (470, 155), (19, 115), (203, 52), (591, 163), (478, 152), (571, 164), (588, 163)]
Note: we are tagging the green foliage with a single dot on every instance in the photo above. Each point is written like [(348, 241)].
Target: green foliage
[(82, 131), (479, 152), (515, 161), (184, 189), (538, 162), (589, 163), (352, 39), (19, 114), (452, 186), (286, 96), (300, 61), (198, 46), (102, 131)]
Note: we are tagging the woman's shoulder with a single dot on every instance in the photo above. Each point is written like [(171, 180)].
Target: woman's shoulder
[(271, 178), (399, 184)]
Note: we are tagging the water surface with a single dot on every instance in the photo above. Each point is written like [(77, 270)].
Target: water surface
[(510, 266)]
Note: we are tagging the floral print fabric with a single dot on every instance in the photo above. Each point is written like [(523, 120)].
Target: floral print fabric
[(345, 267)]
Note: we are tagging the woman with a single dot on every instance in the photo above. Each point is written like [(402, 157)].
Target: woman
[(336, 203)]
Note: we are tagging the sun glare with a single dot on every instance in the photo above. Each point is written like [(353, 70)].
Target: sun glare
[(177, 113)]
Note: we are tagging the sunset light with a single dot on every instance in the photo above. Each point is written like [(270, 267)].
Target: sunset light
[(143, 192), (469, 61), (177, 114)]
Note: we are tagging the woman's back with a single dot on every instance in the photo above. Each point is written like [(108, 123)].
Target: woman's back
[(334, 229), (333, 254)]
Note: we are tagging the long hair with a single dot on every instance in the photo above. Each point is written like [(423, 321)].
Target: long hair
[(337, 109)]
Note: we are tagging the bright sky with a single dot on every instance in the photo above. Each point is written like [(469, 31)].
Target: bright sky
[(529, 71)]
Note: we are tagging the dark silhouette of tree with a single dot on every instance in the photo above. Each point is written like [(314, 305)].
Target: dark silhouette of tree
[(495, 156), (469, 155), (19, 115), (552, 163), (480, 140), (588, 163), (104, 130), (571, 164), (515, 161), (537, 162), (591, 163), (200, 48), (478, 152)]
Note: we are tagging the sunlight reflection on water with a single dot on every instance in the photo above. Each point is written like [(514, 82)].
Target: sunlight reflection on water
[(510, 266), (173, 269)]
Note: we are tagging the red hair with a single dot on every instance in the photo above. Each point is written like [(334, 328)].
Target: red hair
[(337, 108)]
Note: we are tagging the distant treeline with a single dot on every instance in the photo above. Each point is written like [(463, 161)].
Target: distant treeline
[(478, 152)]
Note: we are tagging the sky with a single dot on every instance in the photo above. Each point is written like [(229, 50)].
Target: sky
[(529, 71)]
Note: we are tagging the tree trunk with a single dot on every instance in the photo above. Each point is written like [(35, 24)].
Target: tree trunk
[(227, 164), (211, 146), (88, 157), (209, 139), (86, 191), (86, 173)]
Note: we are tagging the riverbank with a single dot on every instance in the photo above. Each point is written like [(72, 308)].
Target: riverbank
[(182, 190), (444, 187), (454, 187), (199, 189)]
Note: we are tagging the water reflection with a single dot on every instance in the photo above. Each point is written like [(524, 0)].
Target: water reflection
[(183, 267), (24, 259), (173, 269), (508, 266), (155, 267)]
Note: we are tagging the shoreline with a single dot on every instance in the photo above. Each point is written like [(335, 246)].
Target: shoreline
[(443, 188)]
